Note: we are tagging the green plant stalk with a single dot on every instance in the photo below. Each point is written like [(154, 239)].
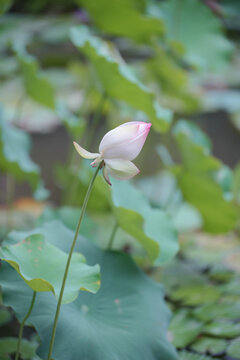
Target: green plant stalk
[(69, 260), (112, 236), (9, 200), (95, 121), (177, 17), (22, 325), (18, 109)]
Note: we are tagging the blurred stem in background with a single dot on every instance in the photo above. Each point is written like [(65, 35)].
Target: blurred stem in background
[(70, 194), (95, 121), (177, 17), (23, 323), (112, 236), (19, 108), (10, 191)]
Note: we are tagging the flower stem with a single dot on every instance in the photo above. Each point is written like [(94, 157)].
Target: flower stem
[(18, 109), (96, 118), (69, 196), (10, 188), (69, 261), (112, 236), (23, 323)]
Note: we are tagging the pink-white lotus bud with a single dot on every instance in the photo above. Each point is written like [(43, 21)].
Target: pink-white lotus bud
[(118, 148)]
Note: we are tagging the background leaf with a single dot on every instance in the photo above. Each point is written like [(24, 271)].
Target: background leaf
[(111, 71), (186, 355), (123, 18), (196, 294), (223, 329), (36, 84), (209, 345), (234, 349), (151, 227), (224, 310), (184, 329), (172, 79), (75, 124), (207, 196), (14, 153), (196, 179), (8, 346), (192, 24)]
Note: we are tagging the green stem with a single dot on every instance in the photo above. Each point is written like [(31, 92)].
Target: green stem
[(112, 236), (23, 323), (177, 18), (69, 261), (10, 188), (18, 109), (96, 118), (70, 194)]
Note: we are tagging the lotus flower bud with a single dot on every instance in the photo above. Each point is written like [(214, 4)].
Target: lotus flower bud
[(118, 148)]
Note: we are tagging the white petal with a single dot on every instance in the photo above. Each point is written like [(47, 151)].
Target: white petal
[(125, 141), (84, 153), (117, 136), (132, 123), (121, 169)]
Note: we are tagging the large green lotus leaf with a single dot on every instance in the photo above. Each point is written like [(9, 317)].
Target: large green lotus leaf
[(48, 230), (194, 25), (126, 319), (121, 17), (98, 230), (151, 227), (209, 345), (36, 84), (184, 329), (14, 153), (117, 80), (41, 265), (196, 180)]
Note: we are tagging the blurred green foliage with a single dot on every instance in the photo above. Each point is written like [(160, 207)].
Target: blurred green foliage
[(87, 66)]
